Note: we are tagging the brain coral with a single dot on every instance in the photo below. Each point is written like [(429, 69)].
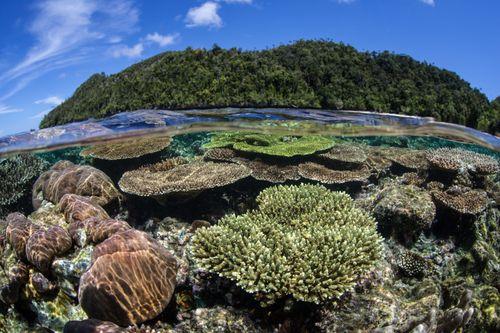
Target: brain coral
[(304, 241), (130, 148), (455, 159), (65, 177), (131, 280), (164, 178), (270, 144)]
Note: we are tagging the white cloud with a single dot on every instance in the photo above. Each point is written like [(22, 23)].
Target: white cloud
[(236, 1), (64, 30), (51, 100), (40, 114), (126, 51), (204, 15), (345, 1), (4, 109), (162, 40), (429, 2)]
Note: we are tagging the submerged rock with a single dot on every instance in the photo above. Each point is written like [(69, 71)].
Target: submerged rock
[(131, 279)]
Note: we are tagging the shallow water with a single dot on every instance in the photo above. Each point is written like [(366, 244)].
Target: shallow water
[(250, 220)]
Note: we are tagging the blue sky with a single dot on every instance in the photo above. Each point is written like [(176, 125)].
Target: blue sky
[(49, 47)]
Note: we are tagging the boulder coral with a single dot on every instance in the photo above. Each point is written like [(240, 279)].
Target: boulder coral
[(303, 241), (19, 230), (65, 177), (95, 230), (131, 279), (44, 245), (77, 208)]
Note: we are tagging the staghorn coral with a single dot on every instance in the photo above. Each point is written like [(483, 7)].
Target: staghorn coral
[(44, 245), (162, 178), (17, 175), (65, 177), (456, 159), (131, 279), (462, 200), (304, 241), (77, 208), (270, 144), (323, 174), (129, 148)]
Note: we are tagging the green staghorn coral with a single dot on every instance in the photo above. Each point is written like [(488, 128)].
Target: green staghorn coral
[(270, 144), (305, 241)]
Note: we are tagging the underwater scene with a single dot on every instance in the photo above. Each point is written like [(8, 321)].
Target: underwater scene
[(250, 220)]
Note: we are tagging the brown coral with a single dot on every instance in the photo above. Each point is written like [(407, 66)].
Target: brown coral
[(348, 154), (44, 245), (92, 326), (220, 155), (129, 148), (325, 175), (410, 159), (65, 177), (18, 276), (155, 180), (462, 200), (455, 159), (131, 280), (95, 230), (19, 229), (78, 208)]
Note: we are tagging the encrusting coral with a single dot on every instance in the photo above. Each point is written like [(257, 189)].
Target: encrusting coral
[(127, 149), (65, 177), (164, 178), (304, 241), (270, 144)]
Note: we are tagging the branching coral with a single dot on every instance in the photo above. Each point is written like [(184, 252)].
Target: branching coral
[(270, 144), (304, 241), (17, 175)]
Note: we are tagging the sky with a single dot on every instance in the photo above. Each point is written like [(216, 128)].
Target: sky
[(49, 47)]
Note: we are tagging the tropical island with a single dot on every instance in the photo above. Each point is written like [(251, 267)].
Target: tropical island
[(305, 74)]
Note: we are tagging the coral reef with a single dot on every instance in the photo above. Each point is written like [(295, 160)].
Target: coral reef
[(127, 149), (270, 144), (297, 232), (65, 177), (462, 200), (17, 175), (163, 179), (455, 159), (131, 279)]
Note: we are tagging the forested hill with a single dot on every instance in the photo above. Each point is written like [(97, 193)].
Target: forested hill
[(309, 74)]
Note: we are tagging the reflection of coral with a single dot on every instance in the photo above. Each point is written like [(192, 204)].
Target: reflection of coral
[(325, 175), (129, 148), (131, 280), (65, 177), (155, 180), (270, 144), (17, 175), (297, 232), (455, 159), (462, 200)]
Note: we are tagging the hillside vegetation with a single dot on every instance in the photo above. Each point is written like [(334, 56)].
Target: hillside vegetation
[(308, 74)]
